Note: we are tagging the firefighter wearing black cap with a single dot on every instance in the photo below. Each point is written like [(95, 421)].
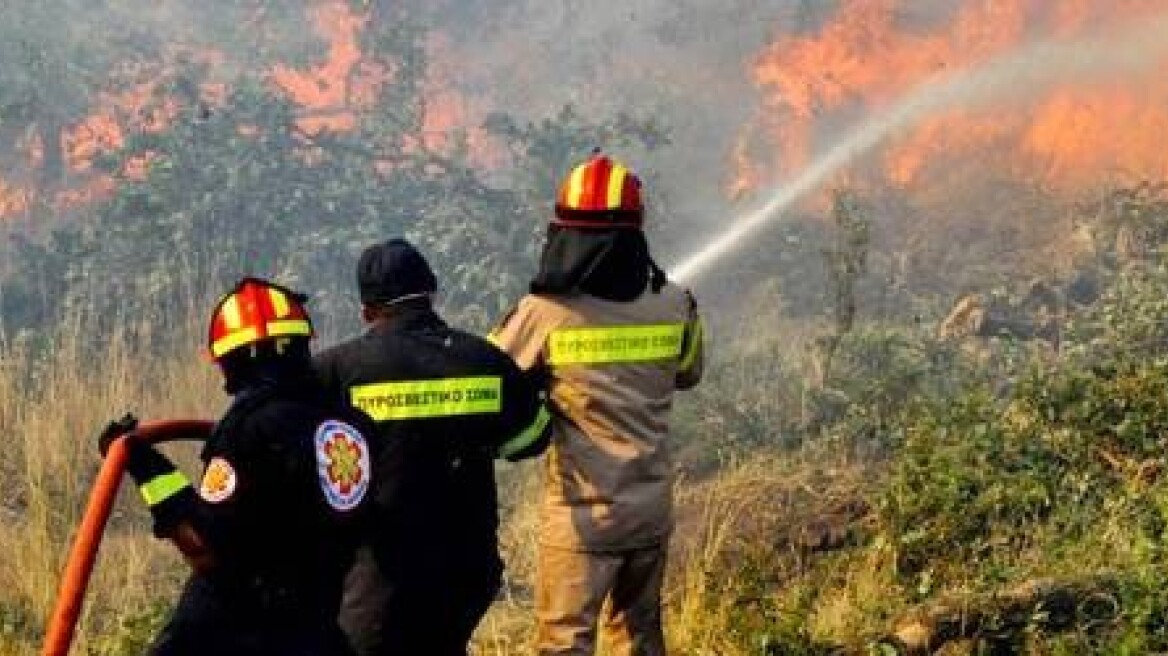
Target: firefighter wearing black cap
[(616, 338), (447, 404), (272, 528)]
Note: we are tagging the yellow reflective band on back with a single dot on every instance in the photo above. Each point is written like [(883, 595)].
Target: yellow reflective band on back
[(279, 302), (612, 344), (421, 399), (289, 327), (161, 488), (528, 436), (693, 346), (616, 184), (234, 340)]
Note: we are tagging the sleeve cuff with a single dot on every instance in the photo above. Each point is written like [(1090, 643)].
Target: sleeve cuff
[(520, 446)]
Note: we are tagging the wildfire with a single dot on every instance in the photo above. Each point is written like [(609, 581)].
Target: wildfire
[(448, 111), (871, 52), (332, 90), (330, 94)]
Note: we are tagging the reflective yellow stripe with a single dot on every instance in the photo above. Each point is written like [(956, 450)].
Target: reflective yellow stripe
[(289, 327), (576, 187), (610, 344), (527, 436), (279, 302), (694, 345), (161, 488), (418, 399), (234, 340), (230, 312), (616, 183)]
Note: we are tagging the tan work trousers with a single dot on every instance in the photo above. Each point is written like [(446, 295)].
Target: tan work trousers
[(621, 590)]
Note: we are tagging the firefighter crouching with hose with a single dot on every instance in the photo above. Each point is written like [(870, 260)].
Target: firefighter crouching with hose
[(615, 339), (273, 524)]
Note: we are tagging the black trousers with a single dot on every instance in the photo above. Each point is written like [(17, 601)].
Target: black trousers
[(428, 610), (205, 623)]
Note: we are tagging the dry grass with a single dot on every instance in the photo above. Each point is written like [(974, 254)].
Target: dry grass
[(55, 396), (749, 513)]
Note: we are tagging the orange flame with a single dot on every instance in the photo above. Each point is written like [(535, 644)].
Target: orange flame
[(872, 51), (332, 90), (330, 95), (448, 112)]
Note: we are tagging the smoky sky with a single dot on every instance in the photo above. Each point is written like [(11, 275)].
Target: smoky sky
[(685, 63)]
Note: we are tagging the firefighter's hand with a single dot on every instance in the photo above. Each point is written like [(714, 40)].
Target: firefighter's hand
[(114, 430)]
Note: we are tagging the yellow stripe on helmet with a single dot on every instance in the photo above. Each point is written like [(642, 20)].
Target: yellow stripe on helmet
[(616, 184), (576, 187), (279, 303), (289, 327), (232, 319), (234, 340)]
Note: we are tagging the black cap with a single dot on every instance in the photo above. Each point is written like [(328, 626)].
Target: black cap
[(393, 271)]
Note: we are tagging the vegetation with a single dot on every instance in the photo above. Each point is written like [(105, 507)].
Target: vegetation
[(846, 472), (946, 471)]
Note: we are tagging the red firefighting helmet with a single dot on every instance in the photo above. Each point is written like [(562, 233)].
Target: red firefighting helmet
[(254, 311), (600, 193)]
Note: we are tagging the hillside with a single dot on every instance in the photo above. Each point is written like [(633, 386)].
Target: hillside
[(911, 477), (934, 417)]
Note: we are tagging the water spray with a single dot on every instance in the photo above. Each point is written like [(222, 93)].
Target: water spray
[(1015, 76)]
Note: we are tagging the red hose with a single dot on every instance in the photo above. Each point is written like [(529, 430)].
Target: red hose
[(82, 556)]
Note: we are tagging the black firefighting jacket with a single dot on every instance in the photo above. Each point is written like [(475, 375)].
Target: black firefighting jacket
[(281, 505), (447, 403)]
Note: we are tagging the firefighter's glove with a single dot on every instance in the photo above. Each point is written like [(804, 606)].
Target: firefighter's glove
[(114, 430)]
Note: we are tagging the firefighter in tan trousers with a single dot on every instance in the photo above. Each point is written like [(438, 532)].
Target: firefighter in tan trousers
[(614, 339)]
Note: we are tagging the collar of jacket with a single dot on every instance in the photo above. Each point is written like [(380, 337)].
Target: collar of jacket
[(408, 320)]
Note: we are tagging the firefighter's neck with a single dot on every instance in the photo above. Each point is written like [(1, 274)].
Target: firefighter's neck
[(384, 315)]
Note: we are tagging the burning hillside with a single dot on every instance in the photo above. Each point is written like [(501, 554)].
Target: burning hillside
[(332, 92), (869, 53)]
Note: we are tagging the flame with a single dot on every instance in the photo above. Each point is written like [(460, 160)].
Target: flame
[(330, 95), (870, 52), (334, 89), (448, 111), (13, 199)]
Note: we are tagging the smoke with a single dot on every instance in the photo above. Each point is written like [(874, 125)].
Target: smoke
[(685, 63), (1012, 78), (75, 76)]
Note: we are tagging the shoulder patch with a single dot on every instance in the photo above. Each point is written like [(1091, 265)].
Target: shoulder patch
[(342, 464), (219, 481)]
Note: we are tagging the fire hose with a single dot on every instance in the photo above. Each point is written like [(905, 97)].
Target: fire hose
[(83, 555)]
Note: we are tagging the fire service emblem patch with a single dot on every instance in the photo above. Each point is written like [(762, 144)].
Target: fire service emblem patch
[(218, 481), (342, 464)]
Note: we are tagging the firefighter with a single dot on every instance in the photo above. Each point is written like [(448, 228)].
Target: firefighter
[(447, 404), (615, 338), (278, 513)]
